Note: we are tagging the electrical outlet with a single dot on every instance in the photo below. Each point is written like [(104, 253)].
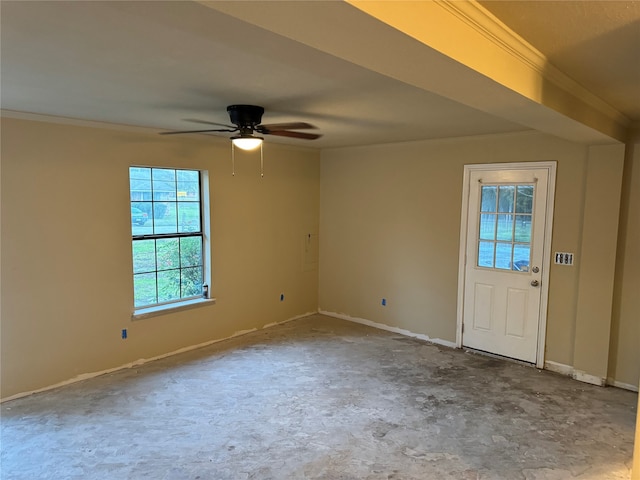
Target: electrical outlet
[(282, 297), (384, 302), (124, 333)]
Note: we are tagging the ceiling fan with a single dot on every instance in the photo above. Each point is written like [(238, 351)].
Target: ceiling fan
[(246, 121)]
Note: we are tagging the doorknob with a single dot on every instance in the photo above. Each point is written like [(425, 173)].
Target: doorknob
[(535, 283)]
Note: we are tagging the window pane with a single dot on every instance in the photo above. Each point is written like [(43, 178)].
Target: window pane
[(165, 218), (190, 252), (168, 253), (188, 217), (144, 256), (487, 226), (488, 199), (141, 218), (503, 256), (485, 254), (505, 198), (139, 184), (521, 257), (191, 281), (144, 289), (524, 199), (188, 185), (164, 185), (523, 228), (168, 285), (505, 227)]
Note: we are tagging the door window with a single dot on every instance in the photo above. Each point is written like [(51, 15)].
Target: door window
[(504, 237)]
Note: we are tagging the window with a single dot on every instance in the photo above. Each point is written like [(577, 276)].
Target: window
[(167, 235), (506, 213)]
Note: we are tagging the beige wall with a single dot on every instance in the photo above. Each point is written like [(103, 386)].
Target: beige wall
[(66, 248), (390, 226), (625, 334), (635, 469), (389, 221)]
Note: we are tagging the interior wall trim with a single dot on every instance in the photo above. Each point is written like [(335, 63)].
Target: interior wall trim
[(489, 26), (142, 361), (382, 326)]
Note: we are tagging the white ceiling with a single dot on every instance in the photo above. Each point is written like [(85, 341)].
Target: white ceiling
[(154, 64)]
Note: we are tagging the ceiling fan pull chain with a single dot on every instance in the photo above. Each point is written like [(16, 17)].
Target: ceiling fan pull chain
[(261, 162), (233, 160)]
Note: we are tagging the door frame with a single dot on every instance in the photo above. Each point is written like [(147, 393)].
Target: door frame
[(551, 167)]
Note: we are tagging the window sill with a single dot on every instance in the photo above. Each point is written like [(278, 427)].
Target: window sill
[(171, 308)]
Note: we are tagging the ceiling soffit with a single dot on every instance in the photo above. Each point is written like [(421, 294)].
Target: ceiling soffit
[(537, 94)]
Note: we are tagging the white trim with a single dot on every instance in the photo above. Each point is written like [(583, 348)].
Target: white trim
[(560, 368), (382, 326), (168, 308), (569, 371), (550, 166), (588, 378), (142, 361), (495, 31), (625, 386)]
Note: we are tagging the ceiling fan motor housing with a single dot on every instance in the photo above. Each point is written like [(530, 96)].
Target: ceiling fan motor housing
[(245, 115)]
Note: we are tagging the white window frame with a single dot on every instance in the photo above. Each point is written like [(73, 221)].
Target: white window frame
[(191, 302)]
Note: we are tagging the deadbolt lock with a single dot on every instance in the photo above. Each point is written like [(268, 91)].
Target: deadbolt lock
[(535, 269)]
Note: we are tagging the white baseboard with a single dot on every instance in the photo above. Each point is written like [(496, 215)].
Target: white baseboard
[(560, 368), (382, 326), (588, 378), (581, 376), (142, 361), (625, 386)]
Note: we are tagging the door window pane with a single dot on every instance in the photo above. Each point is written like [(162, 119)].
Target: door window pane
[(486, 254), (521, 257), (488, 203), (523, 228), (505, 200), (524, 199), (505, 228), (503, 255), (487, 226)]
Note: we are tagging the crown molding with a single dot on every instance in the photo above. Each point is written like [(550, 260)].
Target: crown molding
[(494, 30)]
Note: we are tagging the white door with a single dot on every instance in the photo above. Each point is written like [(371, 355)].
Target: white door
[(504, 261)]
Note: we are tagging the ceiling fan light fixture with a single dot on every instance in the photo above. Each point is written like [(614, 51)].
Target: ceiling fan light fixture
[(247, 142)]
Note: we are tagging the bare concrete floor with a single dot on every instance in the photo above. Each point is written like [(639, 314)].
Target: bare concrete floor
[(322, 398)]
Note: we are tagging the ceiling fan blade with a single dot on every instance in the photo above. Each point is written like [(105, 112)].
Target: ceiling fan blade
[(206, 122), (284, 126), (197, 131), (287, 133)]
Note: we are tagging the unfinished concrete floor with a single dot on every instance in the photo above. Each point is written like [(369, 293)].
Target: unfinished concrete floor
[(322, 398)]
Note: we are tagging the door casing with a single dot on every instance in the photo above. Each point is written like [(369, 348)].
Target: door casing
[(550, 166)]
